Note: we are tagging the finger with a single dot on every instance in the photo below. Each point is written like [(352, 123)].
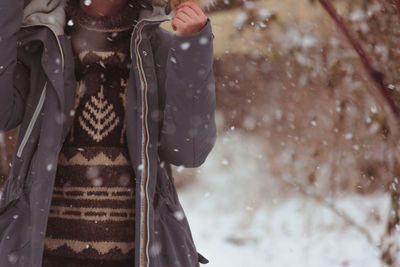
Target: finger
[(195, 7), (189, 12), (182, 4), (173, 25), (184, 17), (174, 21), (186, 4), (178, 23)]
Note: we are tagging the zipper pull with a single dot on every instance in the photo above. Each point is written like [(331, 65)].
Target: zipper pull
[(202, 259)]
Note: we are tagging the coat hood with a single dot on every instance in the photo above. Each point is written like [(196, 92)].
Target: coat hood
[(52, 12)]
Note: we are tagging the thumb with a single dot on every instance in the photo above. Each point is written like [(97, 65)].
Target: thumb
[(176, 29), (173, 24)]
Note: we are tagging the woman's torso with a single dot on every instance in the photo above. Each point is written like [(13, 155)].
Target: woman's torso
[(92, 210)]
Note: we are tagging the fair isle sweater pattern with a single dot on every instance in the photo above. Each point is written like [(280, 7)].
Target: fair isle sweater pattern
[(92, 210)]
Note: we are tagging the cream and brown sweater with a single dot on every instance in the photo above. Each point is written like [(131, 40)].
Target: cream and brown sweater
[(92, 214)]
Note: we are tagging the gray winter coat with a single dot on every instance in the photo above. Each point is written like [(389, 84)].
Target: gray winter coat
[(170, 120)]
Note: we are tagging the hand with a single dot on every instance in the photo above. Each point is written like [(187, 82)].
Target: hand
[(188, 19)]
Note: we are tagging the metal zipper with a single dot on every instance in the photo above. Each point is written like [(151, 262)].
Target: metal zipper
[(145, 157), (32, 122), (155, 19), (42, 96)]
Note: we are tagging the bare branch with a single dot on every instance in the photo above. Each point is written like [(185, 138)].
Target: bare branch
[(397, 3), (344, 216), (376, 75)]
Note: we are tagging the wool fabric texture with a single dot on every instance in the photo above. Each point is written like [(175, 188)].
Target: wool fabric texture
[(92, 212)]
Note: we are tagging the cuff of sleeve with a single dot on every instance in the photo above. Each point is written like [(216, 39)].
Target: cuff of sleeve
[(206, 31)]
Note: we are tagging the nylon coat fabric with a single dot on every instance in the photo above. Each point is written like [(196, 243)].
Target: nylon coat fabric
[(170, 120)]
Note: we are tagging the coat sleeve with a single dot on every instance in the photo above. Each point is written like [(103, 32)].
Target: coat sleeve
[(188, 131), (12, 99)]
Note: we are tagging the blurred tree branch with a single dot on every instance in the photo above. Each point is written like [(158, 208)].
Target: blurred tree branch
[(397, 3), (376, 75), (340, 213)]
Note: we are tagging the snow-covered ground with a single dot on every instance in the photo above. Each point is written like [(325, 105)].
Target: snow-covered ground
[(235, 225)]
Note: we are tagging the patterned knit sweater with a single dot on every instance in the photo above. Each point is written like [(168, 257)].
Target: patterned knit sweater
[(92, 213)]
